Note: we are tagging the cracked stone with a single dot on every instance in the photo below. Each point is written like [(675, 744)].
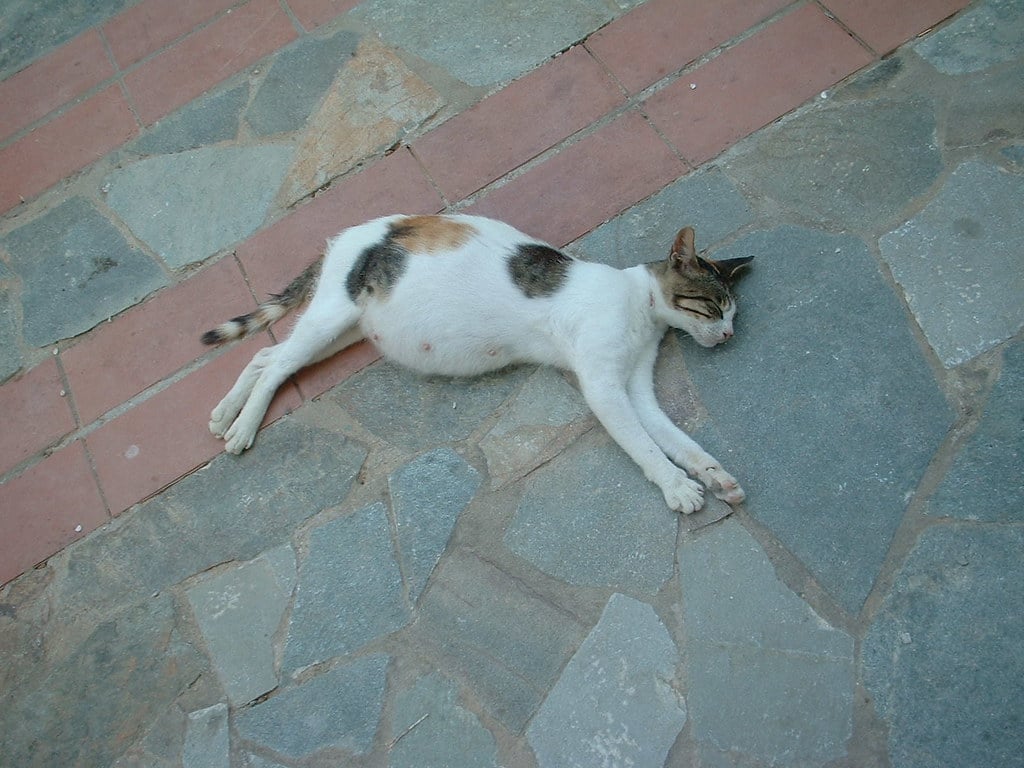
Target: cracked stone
[(616, 702), (428, 495), (339, 709), (349, 592), (752, 643), (450, 735), (238, 612)]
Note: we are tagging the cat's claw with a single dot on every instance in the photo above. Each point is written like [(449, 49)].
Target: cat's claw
[(683, 494), (723, 485)]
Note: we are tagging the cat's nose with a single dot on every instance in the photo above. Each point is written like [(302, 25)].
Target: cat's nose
[(727, 334)]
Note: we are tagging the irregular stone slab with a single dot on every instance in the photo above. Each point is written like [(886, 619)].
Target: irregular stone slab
[(206, 739), (979, 112), (338, 709), (449, 736), (943, 658), (235, 508), (960, 262), (76, 270), (350, 589), (851, 165), (591, 518), (238, 612), (297, 80), (374, 101), (125, 674), (616, 702), (10, 357), (767, 676), (30, 29), (509, 645), (986, 481), (535, 426), (706, 200), (417, 412), (428, 494), (207, 120), (189, 205), (823, 405), (484, 42), (986, 35)]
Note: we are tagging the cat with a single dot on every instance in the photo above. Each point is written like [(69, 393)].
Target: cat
[(462, 295)]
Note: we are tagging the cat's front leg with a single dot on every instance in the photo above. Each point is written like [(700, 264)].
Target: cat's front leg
[(676, 444), (613, 408)]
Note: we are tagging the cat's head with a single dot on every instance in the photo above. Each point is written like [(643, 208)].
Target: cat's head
[(697, 293)]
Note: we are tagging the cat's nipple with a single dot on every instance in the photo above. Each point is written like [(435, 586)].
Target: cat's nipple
[(426, 346), (492, 352)]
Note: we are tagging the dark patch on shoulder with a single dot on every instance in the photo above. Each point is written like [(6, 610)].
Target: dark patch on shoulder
[(377, 269), (538, 270)]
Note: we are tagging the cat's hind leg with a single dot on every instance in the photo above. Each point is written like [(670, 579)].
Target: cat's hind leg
[(677, 445), (320, 332)]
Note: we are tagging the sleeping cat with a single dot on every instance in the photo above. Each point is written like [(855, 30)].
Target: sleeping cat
[(462, 295)]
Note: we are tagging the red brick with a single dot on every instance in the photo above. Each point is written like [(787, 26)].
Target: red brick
[(663, 36), (755, 82), (517, 123), (207, 57), (166, 437), (586, 183), (41, 509), (35, 415), (886, 24), (317, 379), (54, 80), (313, 13), (149, 342), (149, 26), (394, 184), (80, 136)]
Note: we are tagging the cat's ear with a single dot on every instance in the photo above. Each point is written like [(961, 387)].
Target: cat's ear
[(729, 269), (684, 254)]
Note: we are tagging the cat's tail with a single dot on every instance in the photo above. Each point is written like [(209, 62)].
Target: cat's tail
[(270, 311)]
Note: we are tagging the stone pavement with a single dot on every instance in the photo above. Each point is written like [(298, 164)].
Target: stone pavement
[(423, 572)]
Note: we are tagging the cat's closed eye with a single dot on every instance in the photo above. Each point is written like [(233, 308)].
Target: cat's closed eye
[(699, 306)]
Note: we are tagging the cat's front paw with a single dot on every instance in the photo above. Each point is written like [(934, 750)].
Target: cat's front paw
[(240, 435), (683, 494), (722, 484)]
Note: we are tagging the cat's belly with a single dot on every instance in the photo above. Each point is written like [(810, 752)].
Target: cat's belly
[(463, 351)]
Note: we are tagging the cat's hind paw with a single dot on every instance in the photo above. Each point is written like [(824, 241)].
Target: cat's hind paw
[(723, 485), (683, 494)]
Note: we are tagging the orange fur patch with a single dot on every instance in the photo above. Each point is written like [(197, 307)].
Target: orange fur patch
[(430, 234)]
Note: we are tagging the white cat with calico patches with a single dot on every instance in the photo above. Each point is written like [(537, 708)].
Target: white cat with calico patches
[(462, 295)]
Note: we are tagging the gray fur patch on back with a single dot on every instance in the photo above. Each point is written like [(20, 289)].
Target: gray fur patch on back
[(538, 270), (377, 269)]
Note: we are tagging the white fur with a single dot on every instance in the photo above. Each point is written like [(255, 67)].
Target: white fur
[(458, 313)]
